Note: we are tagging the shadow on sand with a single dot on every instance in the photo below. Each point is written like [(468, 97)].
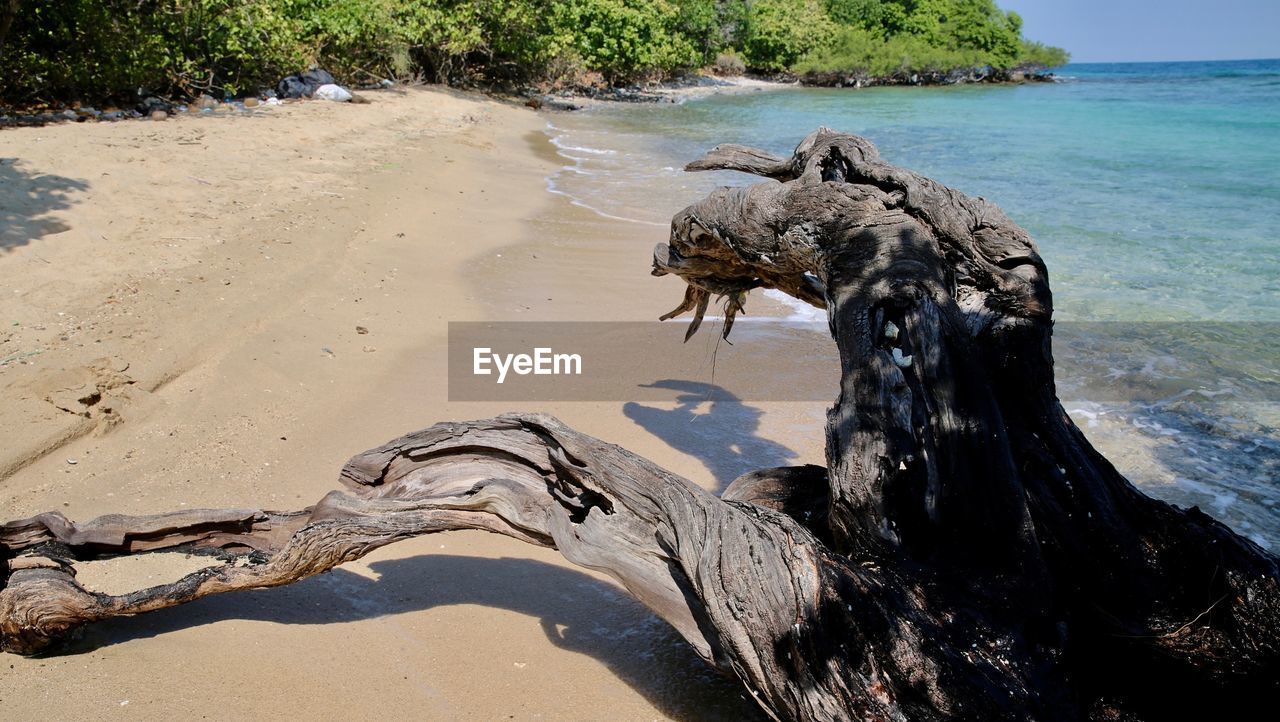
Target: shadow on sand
[(26, 201), (577, 612), (724, 436)]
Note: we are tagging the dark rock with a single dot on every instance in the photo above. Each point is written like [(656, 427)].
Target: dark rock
[(553, 103), (151, 104)]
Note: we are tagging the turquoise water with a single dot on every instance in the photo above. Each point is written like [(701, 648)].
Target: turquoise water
[(1153, 191)]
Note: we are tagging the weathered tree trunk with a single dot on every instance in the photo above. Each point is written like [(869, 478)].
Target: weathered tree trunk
[(965, 554)]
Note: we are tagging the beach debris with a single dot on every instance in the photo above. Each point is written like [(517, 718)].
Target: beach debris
[(158, 115), (327, 350), (73, 462), (205, 102), (303, 85), (251, 102), (361, 330), (332, 91)]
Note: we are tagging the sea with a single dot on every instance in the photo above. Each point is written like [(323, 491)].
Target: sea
[(1152, 190)]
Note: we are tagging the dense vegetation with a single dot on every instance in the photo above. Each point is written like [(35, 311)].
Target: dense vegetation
[(92, 49)]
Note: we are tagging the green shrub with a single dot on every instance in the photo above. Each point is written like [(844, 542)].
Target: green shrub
[(887, 37), (110, 49), (229, 46), (730, 63), (702, 24), (780, 32), (67, 48), (855, 50), (1041, 55), (980, 25), (879, 16), (624, 38)]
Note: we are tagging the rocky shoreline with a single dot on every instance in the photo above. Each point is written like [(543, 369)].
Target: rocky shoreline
[(150, 108), (698, 85), (967, 76)]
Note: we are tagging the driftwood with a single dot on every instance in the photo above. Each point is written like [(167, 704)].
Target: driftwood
[(964, 554)]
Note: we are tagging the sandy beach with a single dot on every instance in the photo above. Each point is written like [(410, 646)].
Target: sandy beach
[(219, 311)]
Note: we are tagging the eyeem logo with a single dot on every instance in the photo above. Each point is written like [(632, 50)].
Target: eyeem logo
[(543, 362)]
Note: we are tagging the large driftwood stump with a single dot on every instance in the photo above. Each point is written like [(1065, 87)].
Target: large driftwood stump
[(965, 554)]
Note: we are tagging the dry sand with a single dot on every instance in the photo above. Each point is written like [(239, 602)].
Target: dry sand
[(180, 303)]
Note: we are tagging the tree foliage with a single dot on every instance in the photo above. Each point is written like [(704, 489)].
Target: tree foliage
[(780, 32), (93, 49), (883, 37), (624, 38)]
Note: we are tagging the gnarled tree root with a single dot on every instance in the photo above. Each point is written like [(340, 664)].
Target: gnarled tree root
[(738, 581), (964, 554)]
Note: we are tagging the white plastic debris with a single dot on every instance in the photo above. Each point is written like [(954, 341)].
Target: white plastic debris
[(336, 93)]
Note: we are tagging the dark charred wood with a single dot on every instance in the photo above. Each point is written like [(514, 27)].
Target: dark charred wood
[(964, 554)]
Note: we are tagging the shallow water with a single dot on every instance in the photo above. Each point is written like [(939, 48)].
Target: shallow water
[(1152, 189)]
